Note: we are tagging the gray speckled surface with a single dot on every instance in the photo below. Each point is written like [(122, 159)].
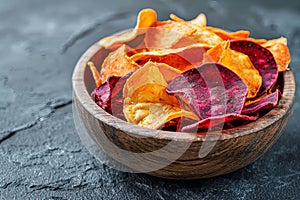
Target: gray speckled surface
[(41, 155)]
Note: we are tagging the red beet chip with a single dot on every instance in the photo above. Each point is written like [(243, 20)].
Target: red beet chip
[(262, 59), (109, 95), (102, 94), (217, 121), (268, 102), (211, 90)]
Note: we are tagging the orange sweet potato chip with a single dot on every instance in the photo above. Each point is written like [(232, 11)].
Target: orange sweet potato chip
[(146, 102), (240, 64), (117, 63), (175, 18), (225, 35), (270, 43), (145, 19), (280, 51), (96, 74), (182, 58), (281, 55)]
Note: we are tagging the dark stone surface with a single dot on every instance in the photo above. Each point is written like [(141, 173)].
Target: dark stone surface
[(41, 155)]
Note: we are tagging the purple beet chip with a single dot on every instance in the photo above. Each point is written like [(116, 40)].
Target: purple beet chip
[(268, 102), (213, 122), (211, 90), (262, 59)]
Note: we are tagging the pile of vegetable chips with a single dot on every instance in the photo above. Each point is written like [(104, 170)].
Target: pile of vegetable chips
[(186, 76)]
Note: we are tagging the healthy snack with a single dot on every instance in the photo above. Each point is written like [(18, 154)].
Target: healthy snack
[(179, 75)]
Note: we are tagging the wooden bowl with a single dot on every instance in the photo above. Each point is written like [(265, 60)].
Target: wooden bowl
[(176, 154)]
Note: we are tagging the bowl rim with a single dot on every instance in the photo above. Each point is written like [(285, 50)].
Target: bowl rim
[(80, 91)]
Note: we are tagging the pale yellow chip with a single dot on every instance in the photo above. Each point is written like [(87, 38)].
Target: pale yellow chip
[(117, 63), (145, 19), (154, 115), (200, 20), (146, 102)]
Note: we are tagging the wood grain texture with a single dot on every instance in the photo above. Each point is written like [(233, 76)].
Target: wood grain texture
[(237, 148)]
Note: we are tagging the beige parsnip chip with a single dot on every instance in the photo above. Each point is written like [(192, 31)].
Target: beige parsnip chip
[(146, 102), (145, 19), (200, 20), (170, 31), (117, 63), (178, 34), (200, 35)]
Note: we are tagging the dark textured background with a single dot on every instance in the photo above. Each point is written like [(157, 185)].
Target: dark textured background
[(41, 155)]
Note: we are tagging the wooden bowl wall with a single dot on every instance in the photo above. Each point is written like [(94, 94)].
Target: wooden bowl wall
[(244, 145)]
